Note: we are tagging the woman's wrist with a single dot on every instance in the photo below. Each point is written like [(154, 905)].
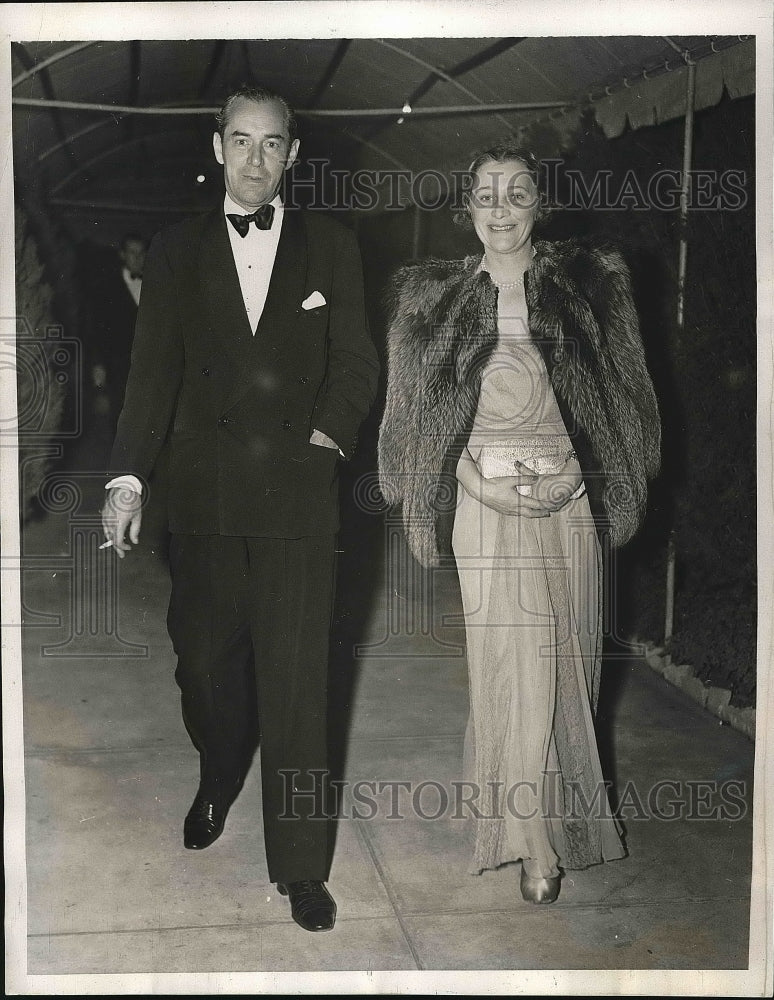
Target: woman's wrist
[(473, 483), (469, 476)]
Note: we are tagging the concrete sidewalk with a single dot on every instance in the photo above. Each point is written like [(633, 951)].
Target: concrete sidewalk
[(110, 774)]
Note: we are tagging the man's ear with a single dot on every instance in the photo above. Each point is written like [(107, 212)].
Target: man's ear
[(217, 145), (291, 155)]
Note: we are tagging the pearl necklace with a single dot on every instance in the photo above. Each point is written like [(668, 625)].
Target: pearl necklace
[(509, 284)]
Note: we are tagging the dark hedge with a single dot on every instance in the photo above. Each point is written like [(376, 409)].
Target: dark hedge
[(41, 374)]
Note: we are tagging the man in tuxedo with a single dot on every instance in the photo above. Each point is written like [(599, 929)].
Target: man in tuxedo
[(252, 357)]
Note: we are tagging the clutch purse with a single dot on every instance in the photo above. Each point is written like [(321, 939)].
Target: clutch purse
[(541, 455)]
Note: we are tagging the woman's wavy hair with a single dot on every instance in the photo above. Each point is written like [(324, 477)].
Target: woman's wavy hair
[(503, 153)]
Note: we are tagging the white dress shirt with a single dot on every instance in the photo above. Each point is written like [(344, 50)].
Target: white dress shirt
[(133, 284), (254, 256)]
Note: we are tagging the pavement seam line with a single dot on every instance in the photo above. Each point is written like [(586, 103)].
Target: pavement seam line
[(251, 926), (384, 879)]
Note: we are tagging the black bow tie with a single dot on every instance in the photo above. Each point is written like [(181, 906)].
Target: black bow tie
[(262, 217)]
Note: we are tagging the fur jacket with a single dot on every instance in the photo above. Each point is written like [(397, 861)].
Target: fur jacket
[(443, 331)]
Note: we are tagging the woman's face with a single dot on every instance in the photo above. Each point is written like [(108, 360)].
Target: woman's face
[(503, 204)]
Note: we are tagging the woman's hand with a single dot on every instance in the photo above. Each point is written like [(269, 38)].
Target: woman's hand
[(502, 495), (549, 493), (555, 489)]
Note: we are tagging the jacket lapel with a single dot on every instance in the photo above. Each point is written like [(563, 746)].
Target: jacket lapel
[(288, 277), (222, 291)]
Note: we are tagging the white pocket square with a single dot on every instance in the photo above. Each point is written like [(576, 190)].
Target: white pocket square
[(313, 301)]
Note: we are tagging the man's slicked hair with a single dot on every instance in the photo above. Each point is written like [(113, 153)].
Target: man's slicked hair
[(258, 95)]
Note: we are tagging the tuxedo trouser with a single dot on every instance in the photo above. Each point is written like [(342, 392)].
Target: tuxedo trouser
[(250, 619)]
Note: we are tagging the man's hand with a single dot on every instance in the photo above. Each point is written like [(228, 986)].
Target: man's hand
[(122, 510)]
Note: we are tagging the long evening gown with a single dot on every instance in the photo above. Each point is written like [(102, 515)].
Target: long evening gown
[(531, 594)]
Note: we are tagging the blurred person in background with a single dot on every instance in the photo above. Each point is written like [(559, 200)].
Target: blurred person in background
[(112, 289)]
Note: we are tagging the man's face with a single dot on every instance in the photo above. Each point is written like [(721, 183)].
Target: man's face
[(133, 257), (255, 152)]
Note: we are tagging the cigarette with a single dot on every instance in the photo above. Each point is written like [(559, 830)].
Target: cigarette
[(106, 544)]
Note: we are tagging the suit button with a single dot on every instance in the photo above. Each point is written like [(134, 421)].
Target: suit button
[(205, 371), (303, 380), (224, 420), (286, 424)]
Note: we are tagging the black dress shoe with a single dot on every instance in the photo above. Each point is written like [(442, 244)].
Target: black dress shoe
[(203, 824), (311, 904)]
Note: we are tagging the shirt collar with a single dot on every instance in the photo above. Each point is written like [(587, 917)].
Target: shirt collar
[(230, 207)]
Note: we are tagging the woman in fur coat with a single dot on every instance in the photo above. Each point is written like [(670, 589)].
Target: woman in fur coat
[(518, 398)]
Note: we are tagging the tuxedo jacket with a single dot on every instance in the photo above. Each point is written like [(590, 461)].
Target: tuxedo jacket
[(237, 408)]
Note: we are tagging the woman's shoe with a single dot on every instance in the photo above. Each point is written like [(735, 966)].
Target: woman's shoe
[(540, 889)]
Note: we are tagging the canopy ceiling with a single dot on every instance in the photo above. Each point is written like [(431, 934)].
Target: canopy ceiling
[(132, 145)]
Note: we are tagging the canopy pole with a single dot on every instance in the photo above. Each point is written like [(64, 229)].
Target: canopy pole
[(416, 242), (45, 63), (402, 112), (122, 206), (682, 266), (684, 194)]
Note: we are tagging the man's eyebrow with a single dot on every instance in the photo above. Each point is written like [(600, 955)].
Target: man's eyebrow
[(247, 135)]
